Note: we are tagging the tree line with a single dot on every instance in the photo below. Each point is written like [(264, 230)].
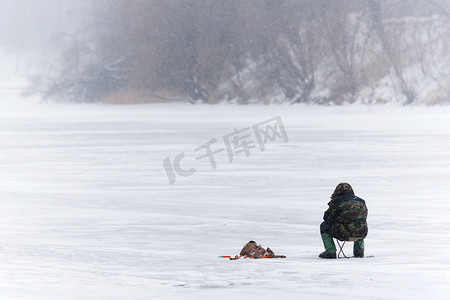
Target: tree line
[(209, 51)]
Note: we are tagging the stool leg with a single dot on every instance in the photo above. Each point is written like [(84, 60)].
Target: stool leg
[(341, 249)]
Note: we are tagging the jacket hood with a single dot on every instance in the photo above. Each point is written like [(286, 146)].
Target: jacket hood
[(342, 189)]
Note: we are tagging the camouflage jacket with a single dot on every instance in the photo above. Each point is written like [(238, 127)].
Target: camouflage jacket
[(346, 218)]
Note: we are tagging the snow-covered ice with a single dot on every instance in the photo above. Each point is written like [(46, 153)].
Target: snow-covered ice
[(87, 211)]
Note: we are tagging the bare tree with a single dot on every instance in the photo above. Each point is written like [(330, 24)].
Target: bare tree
[(347, 32), (391, 36), (214, 50)]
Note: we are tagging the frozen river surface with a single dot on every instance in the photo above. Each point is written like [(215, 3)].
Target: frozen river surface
[(88, 212)]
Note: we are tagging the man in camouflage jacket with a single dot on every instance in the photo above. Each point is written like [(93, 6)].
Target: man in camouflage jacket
[(345, 220)]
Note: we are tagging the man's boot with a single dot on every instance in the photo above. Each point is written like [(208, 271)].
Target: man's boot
[(330, 248), (358, 248)]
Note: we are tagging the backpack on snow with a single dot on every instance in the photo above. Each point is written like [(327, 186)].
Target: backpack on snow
[(252, 249)]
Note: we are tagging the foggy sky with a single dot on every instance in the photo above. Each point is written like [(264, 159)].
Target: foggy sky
[(30, 24)]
